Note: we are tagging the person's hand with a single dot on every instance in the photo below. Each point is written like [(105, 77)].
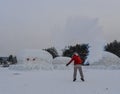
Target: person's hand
[(67, 64)]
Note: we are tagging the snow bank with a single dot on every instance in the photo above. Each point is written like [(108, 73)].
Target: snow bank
[(42, 60), (34, 56), (108, 61), (60, 63), (33, 59)]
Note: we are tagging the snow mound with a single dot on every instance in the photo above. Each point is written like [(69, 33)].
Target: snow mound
[(60, 63), (108, 61), (33, 59), (34, 56)]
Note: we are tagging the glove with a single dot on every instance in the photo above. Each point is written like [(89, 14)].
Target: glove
[(67, 64)]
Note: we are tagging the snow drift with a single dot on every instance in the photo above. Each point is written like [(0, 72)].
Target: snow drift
[(42, 60), (33, 59), (108, 61)]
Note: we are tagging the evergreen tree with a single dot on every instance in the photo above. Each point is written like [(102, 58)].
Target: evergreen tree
[(52, 51), (113, 47), (82, 50)]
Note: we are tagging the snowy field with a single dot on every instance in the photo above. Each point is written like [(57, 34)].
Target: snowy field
[(97, 81), (39, 77)]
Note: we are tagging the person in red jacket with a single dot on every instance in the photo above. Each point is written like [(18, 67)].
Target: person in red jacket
[(77, 65)]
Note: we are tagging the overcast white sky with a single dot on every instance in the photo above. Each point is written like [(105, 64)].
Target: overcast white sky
[(34, 23)]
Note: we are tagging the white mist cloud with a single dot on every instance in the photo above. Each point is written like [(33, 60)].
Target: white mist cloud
[(82, 30)]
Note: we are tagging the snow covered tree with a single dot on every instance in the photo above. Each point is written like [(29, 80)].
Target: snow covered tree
[(82, 50), (113, 47), (52, 51)]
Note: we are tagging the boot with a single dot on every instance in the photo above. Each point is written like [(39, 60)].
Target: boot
[(82, 79), (74, 79)]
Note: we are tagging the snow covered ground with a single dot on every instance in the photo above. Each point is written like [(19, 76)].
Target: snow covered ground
[(101, 77), (97, 81)]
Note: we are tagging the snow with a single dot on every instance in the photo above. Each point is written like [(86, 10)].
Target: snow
[(37, 54), (60, 62), (108, 61), (42, 80), (59, 82), (33, 59), (44, 61)]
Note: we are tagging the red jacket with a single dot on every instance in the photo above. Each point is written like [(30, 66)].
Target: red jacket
[(76, 59)]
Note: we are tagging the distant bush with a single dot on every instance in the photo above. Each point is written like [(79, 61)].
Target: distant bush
[(113, 47)]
